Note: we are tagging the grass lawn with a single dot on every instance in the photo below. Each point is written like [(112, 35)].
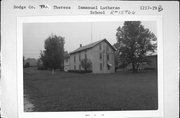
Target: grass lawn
[(95, 92)]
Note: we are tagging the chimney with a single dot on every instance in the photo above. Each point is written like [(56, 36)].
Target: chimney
[(80, 45)]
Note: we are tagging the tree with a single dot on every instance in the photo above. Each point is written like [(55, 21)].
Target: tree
[(66, 54), (53, 55), (40, 65), (134, 42), (86, 64), (27, 65)]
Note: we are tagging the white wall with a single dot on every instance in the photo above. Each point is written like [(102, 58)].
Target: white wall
[(77, 62), (93, 55), (96, 58)]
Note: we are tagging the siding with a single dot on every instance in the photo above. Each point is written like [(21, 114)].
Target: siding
[(78, 62), (93, 55), (96, 58), (66, 64)]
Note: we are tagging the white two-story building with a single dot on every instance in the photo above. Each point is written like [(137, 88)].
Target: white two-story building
[(100, 53)]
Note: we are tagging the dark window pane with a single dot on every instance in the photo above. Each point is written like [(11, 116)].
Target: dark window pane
[(100, 55)]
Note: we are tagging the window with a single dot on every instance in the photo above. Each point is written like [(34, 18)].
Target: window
[(100, 55), (85, 56), (100, 66), (79, 57), (74, 67), (100, 47), (108, 57), (108, 67)]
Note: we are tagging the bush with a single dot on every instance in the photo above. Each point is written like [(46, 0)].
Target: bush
[(86, 64), (80, 71)]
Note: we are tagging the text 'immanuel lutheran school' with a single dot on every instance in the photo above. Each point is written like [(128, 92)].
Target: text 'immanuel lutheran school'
[(99, 7)]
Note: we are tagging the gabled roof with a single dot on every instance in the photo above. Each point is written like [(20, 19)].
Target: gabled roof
[(91, 46)]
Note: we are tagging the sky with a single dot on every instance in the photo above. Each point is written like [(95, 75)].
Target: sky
[(75, 33)]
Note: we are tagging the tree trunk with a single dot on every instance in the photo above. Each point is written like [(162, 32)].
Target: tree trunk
[(137, 68), (134, 68)]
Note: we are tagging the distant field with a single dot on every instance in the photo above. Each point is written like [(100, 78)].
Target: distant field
[(94, 92)]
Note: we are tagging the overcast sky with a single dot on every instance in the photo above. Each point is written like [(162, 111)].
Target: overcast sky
[(34, 34)]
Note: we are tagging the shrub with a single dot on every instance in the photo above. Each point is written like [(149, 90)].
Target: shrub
[(86, 64)]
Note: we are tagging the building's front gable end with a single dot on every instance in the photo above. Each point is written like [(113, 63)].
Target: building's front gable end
[(103, 58), (100, 54)]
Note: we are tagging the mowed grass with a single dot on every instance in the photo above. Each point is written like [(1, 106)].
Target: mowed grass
[(91, 92)]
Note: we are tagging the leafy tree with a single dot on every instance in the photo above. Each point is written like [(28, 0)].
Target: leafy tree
[(53, 55), (40, 65), (66, 54), (116, 60), (86, 64), (134, 42), (27, 64)]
